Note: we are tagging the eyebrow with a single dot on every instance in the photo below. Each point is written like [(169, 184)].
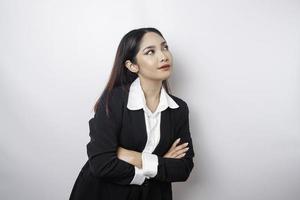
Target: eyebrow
[(152, 46)]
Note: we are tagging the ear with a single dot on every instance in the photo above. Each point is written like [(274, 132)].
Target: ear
[(131, 67)]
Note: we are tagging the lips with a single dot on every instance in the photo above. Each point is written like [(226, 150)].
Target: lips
[(164, 66)]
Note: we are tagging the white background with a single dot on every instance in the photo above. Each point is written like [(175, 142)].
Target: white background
[(236, 64)]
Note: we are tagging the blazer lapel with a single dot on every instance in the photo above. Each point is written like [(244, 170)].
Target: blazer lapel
[(140, 131), (165, 133)]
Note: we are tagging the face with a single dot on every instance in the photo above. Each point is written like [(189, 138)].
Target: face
[(153, 54)]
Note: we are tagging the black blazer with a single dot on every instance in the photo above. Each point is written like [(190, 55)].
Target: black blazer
[(105, 177)]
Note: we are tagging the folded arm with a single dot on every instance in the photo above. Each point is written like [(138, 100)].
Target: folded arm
[(178, 170), (175, 166), (102, 148)]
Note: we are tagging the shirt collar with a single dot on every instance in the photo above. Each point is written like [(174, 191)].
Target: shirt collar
[(136, 98)]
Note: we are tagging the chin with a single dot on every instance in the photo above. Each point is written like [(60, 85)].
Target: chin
[(165, 76)]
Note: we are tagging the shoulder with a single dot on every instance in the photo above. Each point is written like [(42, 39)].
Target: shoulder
[(182, 111), (180, 101), (115, 96), (111, 101), (181, 114), (116, 91)]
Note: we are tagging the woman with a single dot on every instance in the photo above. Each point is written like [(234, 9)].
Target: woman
[(140, 138)]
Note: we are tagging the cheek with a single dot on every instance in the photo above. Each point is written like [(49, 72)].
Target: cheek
[(149, 65)]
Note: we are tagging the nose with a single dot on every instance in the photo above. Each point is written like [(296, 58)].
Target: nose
[(163, 57)]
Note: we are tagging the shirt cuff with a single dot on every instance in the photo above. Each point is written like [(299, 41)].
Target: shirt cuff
[(139, 177), (150, 163)]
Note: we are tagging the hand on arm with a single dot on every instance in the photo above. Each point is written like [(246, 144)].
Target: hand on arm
[(135, 157), (177, 163), (178, 170), (130, 156), (177, 151)]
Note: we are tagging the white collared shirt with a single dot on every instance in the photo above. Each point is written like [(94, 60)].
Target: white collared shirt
[(136, 101)]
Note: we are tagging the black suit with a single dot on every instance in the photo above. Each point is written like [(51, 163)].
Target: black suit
[(105, 177)]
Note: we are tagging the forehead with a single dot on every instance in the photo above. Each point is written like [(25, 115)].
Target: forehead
[(151, 38)]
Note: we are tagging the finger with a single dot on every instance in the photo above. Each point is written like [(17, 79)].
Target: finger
[(181, 146), (175, 143), (178, 152), (178, 148), (171, 155), (182, 151), (168, 155), (181, 155)]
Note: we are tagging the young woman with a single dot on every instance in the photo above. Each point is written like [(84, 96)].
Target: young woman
[(140, 138)]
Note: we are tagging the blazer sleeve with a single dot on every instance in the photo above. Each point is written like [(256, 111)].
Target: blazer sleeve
[(174, 169), (103, 144)]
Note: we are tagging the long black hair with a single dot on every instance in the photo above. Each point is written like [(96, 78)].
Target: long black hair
[(127, 50)]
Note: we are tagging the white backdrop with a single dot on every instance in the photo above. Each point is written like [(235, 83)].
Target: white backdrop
[(236, 63)]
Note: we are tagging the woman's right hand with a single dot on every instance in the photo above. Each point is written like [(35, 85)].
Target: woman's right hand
[(177, 151)]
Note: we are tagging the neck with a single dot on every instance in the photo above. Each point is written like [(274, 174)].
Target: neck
[(151, 88)]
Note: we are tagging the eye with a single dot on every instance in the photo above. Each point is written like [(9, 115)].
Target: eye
[(149, 51), (167, 47)]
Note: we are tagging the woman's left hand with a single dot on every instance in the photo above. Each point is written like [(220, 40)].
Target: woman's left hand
[(130, 156)]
